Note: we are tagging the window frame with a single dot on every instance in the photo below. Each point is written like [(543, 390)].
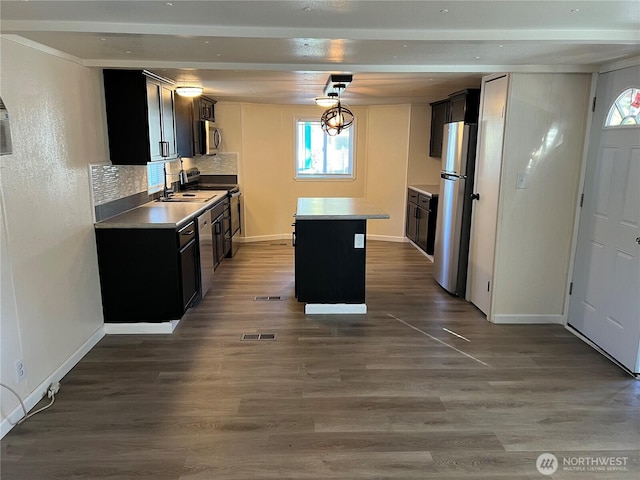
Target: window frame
[(323, 177), (615, 105)]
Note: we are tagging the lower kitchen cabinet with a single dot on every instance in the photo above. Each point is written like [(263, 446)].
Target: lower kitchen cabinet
[(147, 274), (421, 219)]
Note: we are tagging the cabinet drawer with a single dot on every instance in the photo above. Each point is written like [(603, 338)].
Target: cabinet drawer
[(186, 234), (424, 201), (412, 196)]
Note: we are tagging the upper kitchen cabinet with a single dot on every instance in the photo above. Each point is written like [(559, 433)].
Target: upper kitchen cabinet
[(439, 116), (140, 117), (205, 108), (186, 133), (464, 106)]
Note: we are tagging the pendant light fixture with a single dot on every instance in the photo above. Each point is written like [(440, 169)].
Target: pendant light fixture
[(337, 118)]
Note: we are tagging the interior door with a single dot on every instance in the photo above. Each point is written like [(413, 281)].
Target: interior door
[(605, 300), (487, 186)]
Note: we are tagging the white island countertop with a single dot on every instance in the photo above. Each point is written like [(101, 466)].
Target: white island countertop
[(337, 208)]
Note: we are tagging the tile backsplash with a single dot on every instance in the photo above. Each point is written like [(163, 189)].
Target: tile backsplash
[(219, 164), (113, 182)]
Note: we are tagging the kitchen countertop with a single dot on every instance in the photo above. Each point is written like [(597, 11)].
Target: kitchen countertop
[(342, 208), (163, 214), (430, 190)]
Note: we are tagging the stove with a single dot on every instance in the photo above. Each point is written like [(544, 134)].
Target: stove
[(210, 182)]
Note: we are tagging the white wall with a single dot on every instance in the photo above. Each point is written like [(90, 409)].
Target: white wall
[(544, 135), (50, 289)]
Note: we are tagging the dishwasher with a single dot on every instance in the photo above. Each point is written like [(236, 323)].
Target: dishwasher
[(205, 243)]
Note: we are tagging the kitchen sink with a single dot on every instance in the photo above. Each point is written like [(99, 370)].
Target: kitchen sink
[(184, 199)]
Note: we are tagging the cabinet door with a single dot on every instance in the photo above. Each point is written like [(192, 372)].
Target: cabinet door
[(421, 228), (439, 116), (189, 273), (154, 109), (423, 221), (185, 126), (168, 122), (412, 220)]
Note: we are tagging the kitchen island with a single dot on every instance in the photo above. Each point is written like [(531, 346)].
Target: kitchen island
[(330, 253)]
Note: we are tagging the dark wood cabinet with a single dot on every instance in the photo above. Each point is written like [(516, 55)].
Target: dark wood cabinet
[(439, 116), (421, 220), (205, 108), (187, 133), (328, 267), (140, 117), (462, 106), (147, 274)]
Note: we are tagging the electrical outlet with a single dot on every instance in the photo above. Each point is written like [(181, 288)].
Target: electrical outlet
[(20, 372), (358, 241)]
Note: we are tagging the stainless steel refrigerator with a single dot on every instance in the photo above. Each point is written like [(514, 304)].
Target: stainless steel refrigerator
[(453, 226)]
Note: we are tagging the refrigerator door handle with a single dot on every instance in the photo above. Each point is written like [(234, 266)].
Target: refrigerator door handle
[(475, 196)]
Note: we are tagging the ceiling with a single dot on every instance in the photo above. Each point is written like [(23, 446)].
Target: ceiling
[(283, 51)]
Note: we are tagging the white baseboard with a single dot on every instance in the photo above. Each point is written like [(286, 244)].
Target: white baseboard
[(140, 328), (334, 308), (287, 236), (386, 238), (41, 390), (527, 319), (265, 238)]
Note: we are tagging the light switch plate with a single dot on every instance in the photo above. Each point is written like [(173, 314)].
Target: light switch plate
[(358, 241), (521, 182)]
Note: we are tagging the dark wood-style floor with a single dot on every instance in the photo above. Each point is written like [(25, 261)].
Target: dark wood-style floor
[(387, 395)]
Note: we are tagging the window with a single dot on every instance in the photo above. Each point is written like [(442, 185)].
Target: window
[(155, 177), (625, 110), (320, 156)]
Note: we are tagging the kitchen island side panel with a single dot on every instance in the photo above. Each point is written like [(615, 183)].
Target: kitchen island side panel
[(328, 267)]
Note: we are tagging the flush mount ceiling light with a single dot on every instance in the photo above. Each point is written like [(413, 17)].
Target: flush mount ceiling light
[(188, 91), (338, 118), (328, 100)]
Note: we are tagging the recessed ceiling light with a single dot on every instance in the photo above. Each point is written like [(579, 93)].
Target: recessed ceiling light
[(575, 10), (444, 10), (128, 51), (169, 4), (477, 58), (500, 46), (404, 46), (218, 54), (206, 41), (307, 9), (103, 39)]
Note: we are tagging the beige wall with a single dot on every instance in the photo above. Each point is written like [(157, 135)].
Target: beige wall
[(264, 137), (544, 135), (422, 169), (50, 289)]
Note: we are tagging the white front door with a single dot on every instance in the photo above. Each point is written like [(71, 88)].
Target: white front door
[(487, 186), (605, 300)]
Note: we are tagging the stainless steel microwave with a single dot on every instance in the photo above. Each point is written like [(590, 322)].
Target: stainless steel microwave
[(210, 138)]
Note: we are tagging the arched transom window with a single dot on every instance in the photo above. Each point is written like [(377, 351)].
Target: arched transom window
[(625, 110)]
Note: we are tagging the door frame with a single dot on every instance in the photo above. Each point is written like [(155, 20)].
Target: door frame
[(576, 218), (574, 243)]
